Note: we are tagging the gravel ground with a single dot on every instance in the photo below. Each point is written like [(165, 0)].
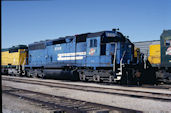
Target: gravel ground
[(146, 105), (11, 104), (105, 86)]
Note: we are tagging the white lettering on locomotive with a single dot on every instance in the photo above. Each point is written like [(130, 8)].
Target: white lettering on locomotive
[(71, 56)]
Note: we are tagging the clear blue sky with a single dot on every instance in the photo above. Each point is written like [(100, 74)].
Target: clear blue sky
[(24, 22)]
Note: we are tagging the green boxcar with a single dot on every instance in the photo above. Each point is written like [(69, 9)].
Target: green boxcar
[(166, 49)]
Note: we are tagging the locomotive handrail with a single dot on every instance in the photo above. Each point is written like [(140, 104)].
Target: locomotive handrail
[(24, 63), (122, 56), (114, 67), (122, 60)]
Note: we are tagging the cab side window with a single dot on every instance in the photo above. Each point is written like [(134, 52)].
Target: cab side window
[(167, 43), (93, 43)]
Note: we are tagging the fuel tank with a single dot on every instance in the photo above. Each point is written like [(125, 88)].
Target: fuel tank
[(60, 74)]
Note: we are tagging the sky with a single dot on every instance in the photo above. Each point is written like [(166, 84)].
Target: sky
[(25, 22)]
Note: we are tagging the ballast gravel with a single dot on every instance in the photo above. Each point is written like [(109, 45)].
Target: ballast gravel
[(11, 104), (146, 105)]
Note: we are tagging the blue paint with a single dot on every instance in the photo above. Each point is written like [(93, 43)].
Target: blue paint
[(81, 54)]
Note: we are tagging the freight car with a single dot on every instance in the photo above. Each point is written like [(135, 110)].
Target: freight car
[(160, 57), (101, 56), (144, 46), (13, 60)]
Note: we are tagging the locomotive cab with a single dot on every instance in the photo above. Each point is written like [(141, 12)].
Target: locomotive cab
[(107, 53)]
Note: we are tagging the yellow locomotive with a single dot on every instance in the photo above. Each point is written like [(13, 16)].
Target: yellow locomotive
[(13, 59)]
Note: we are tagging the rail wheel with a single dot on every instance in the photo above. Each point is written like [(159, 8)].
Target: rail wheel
[(18, 74), (40, 75), (84, 78), (28, 74), (96, 78), (12, 74), (35, 75), (81, 77), (111, 79)]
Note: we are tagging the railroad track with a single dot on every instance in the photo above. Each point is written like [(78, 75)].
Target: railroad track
[(109, 84), (164, 86), (60, 104), (158, 86), (113, 91)]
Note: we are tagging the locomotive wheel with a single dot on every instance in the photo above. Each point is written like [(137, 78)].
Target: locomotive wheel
[(35, 75), (28, 74), (81, 77), (111, 79), (18, 74), (40, 75), (12, 74), (84, 78), (96, 78)]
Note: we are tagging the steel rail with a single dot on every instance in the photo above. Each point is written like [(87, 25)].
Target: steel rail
[(67, 105), (153, 95)]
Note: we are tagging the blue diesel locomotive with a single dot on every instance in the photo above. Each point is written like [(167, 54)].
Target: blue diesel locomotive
[(101, 56)]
